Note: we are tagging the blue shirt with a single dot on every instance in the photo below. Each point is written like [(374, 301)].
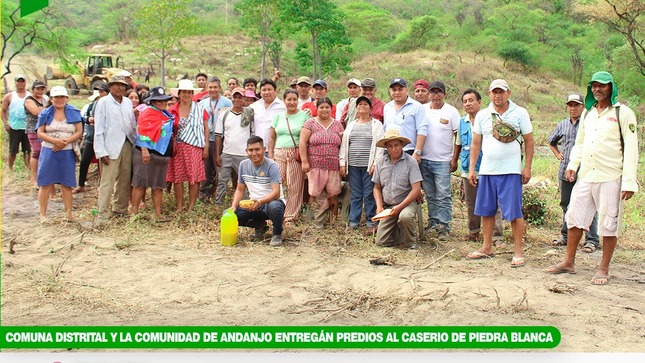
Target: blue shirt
[(465, 137), (212, 107), (411, 120)]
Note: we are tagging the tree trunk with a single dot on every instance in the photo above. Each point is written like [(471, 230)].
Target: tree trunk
[(163, 68), (264, 58), (314, 50)]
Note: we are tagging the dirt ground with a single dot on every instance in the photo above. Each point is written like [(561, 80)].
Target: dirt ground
[(135, 272)]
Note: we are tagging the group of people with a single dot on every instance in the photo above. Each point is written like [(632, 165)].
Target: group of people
[(388, 153)]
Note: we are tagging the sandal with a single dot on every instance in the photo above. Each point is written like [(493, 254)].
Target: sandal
[(589, 248), (559, 242)]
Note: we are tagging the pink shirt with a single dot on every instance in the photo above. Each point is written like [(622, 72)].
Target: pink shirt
[(324, 144)]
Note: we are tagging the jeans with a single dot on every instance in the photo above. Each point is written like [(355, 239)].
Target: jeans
[(361, 187), (565, 196), (436, 185), (274, 211)]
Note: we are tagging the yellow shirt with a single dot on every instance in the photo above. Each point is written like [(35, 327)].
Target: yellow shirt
[(597, 149)]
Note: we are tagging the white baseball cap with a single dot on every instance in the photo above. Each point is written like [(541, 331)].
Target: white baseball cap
[(58, 91)]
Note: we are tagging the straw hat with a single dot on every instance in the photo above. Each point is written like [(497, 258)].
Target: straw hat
[(392, 134)]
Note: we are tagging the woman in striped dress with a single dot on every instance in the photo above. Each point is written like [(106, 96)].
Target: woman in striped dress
[(283, 146), (190, 132), (320, 141)]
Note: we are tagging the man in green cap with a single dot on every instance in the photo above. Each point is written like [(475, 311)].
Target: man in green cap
[(604, 159)]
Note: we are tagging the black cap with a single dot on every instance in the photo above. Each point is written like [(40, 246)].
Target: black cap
[(438, 84), (38, 83), (158, 94), (363, 98), (102, 87), (321, 83), (400, 81)]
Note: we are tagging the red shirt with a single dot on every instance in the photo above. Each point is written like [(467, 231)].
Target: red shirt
[(311, 106), (199, 96)]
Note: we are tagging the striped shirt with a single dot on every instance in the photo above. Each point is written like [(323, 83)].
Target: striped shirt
[(258, 179), (191, 128), (360, 144), (564, 134)]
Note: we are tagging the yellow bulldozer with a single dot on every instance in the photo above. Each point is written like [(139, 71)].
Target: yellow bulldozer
[(98, 69)]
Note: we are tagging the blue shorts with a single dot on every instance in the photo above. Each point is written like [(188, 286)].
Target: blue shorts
[(503, 189)]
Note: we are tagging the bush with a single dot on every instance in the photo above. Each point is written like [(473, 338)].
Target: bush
[(534, 206), (516, 52)]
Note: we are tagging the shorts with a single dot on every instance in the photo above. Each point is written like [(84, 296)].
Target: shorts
[(589, 198), (327, 180), (503, 189), (35, 144), (16, 139)]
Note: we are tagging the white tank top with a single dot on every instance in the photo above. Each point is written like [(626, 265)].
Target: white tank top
[(17, 115)]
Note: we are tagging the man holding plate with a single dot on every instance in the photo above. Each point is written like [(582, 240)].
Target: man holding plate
[(397, 189)]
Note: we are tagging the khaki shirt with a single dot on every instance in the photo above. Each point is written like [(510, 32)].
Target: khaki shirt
[(597, 149)]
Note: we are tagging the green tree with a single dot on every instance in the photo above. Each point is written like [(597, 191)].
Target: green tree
[(626, 17), (329, 46), (259, 19), (364, 20), (162, 25), (419, 32), (43, 30), (119, 18)]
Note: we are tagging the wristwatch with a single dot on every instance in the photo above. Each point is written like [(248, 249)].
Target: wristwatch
[(417, 152)]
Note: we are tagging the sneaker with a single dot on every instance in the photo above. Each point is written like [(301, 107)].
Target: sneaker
[(442, 233), (261, 231), (276, 241)]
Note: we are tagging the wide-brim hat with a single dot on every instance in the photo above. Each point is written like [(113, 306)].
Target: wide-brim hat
[(117, 78), (158, 94), (186, 85), (392, 134)]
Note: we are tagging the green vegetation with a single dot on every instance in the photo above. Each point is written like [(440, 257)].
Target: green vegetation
[(568, 39)]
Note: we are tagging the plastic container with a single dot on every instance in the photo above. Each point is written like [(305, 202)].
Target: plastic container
[(228, 228)]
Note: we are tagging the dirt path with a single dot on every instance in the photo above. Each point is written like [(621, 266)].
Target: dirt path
[(138, 273)]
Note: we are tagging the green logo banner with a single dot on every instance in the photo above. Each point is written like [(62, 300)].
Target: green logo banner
[(279, 337), (31, 6)]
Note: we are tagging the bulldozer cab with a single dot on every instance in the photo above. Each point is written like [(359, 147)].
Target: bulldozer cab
[(97, 62)]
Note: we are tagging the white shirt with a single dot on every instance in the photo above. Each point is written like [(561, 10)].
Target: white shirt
[(264, 117), (501, 158), (113, 123), (339, 108), (234, 134), (442, 125)]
